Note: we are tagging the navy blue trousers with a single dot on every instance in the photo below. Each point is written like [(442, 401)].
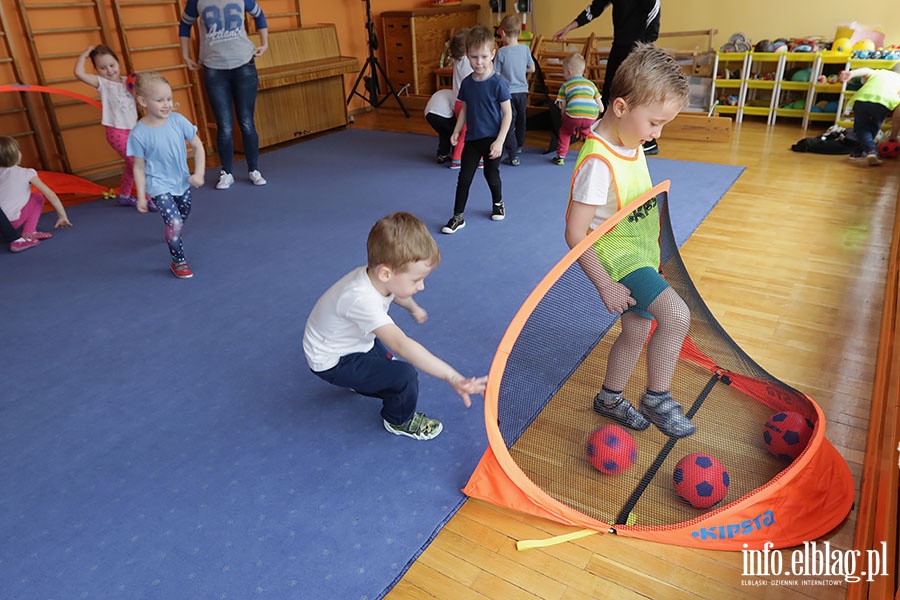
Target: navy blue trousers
[(867, 120), (376, 375)]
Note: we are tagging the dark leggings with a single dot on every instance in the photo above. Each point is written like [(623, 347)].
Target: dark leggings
[(7, 231), (515, 139), (474, 151), (444, 128), (174, 210)]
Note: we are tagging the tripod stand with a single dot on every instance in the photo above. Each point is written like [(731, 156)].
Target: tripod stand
[(373, 68)]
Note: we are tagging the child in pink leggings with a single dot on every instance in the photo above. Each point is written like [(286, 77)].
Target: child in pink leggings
[(22, 207), (119, 110)]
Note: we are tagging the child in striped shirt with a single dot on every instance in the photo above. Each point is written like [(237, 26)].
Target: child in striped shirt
[(580, 103)]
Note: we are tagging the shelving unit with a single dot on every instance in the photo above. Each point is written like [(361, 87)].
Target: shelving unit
[(788, 91), (759, 93), (815, 89), (732, 86)]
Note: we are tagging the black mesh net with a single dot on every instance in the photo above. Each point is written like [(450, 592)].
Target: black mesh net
[(557, 365)]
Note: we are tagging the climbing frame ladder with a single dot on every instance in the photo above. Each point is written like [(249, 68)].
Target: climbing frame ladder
[(25, 101)]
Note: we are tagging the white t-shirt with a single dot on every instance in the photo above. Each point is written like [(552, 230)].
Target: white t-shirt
[(593, 185), (461, 70), (119, 109), (15, 190), (343, 320)]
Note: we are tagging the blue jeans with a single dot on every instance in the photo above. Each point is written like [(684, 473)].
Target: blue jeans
[(174, 210), (374, 374), (233, 92), (867, 120)]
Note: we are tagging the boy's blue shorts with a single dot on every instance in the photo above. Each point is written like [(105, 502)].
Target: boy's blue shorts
[(645, 284)]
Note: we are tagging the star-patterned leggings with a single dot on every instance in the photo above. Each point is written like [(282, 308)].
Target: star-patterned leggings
[(174, 210)]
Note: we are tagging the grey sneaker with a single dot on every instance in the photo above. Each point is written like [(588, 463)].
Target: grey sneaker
[(617, 408), (666, 414), (419, 427), (873, 159)]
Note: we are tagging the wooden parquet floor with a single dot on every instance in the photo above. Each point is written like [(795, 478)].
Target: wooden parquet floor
[(792, 262)]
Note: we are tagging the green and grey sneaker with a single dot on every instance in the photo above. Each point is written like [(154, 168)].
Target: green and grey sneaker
[(620, 410), (419, 427), (666, 414)]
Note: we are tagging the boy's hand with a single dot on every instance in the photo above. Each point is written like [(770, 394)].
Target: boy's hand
[(465, 387), (617, 298), (496, 149), (844, 76), (62, 222), (419, 314), (196, 179), (454, 138), (141, 204)]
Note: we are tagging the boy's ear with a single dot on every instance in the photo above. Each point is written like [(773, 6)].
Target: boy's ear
[(383, 273), (619, 106)]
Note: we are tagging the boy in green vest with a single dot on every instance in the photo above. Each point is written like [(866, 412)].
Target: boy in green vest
[(648, 91), (878, 98)]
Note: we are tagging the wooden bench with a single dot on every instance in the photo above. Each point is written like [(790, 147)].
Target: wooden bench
[(301, 84)]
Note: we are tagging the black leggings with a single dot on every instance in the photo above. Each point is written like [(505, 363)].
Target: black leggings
[(444, 128), (473, 151)]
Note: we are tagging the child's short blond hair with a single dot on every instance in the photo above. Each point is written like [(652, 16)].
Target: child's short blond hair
[(400, 239), (479, 37), (9, 151), (647, 75), (574, 64), (143, 81), (511, 25)]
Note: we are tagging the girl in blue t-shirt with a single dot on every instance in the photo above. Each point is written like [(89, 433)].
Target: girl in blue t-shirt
[(160, 162)]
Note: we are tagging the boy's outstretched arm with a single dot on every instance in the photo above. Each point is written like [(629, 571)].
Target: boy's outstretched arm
[(615, 296), (419, 356), (418, 313)]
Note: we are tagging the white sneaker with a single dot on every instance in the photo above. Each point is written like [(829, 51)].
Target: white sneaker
[(225, 180), (256, 178)]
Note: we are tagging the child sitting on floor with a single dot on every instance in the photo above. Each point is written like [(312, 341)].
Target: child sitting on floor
[(22, 207)]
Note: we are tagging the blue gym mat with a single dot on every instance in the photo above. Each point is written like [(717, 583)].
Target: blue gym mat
[(165, 439)]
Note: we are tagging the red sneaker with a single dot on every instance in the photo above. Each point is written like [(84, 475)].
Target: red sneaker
[(37, 235), (182, 271), (25, 244)]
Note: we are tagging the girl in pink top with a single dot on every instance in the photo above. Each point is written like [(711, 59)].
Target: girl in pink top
[(21, 207), (119, 109)]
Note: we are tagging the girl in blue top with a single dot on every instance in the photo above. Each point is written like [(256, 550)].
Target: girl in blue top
[(160, 162)]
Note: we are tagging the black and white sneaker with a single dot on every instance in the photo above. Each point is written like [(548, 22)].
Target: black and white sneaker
[(651, 147), (498, 212), (455, 223)]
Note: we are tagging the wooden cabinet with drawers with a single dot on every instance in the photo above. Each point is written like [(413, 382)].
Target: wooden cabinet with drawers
[(414, 40)]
